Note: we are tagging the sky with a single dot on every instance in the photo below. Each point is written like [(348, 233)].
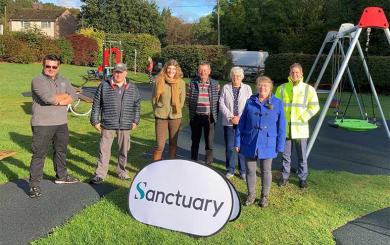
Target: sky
[(188, 10)]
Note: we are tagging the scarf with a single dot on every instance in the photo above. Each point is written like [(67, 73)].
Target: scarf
[(161, 79)]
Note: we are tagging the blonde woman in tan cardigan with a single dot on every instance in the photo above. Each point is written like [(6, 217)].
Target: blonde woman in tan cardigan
[(168, 100)]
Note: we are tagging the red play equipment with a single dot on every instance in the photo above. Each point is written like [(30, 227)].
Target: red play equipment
[(112, 54)]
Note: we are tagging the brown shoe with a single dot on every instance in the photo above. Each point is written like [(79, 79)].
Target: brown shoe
[(172, 152), (156, 156)]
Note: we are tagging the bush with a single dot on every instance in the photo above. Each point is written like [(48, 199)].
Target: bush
[(145, 44), (85, 49), (27, 47), (277, 67), (47, 46), (189, 57), (98, 36), (15, 50), (221, 62), (66, 48)]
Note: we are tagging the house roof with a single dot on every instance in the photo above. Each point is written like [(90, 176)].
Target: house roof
[(37, 14)]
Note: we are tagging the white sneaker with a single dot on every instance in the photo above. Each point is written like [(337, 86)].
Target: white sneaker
[(229, 175)]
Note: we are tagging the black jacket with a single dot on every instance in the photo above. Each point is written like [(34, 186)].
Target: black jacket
[(105, 107)]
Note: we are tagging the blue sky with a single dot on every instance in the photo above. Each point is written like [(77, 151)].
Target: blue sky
[(188, 10)]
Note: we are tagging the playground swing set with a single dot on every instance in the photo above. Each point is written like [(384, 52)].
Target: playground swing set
[(112, 54), (372, 17)]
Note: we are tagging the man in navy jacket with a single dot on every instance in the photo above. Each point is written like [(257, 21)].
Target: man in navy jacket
[(115, 111)]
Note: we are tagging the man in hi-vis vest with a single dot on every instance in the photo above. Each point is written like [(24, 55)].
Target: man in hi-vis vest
[(300, 104)]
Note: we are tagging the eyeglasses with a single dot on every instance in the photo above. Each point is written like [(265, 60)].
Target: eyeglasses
[(52, 67)]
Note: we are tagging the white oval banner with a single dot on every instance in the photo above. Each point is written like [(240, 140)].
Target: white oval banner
[(181, 195), (236, 210)]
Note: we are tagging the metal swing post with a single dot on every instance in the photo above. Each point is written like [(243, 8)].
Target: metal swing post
[(326, 63), (328, 37), (333, 91), (373, 90), (387, 33)]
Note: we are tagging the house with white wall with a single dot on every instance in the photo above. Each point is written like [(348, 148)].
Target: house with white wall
[(54, 23)]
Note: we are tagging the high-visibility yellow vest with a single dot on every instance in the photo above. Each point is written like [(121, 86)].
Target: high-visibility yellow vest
[(300, 104)]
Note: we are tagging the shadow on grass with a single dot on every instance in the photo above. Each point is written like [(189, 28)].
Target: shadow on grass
[(27, 106)]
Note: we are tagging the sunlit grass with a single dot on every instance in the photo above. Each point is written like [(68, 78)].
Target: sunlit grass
[(294, 217)]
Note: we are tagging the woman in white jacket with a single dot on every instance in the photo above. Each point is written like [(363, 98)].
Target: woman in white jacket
[(231, 104)]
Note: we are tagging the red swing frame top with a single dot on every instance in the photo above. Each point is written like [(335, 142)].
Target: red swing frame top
[(373, 17)]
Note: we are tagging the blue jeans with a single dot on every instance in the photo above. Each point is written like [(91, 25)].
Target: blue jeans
[(229, 133)]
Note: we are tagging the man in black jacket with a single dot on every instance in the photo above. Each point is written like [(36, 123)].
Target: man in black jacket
[(115, 111), (203, 96)]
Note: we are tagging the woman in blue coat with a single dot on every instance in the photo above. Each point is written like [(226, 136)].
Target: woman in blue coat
[(260, 136)]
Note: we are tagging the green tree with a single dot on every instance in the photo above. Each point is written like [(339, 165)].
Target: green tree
[(290, 25), (204, 32), (134, 16)]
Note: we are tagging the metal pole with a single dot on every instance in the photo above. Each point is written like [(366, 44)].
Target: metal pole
[(219, 31), (352, 83), (5, 19), (135, 61), (326, 63), (316, 60), (373, 89), (332, 92), (347, 32), (387, 33)]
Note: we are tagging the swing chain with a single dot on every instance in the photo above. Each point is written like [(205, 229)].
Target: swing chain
[(368, 39)]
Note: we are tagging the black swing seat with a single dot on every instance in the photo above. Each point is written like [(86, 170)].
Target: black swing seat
[(350, 124)]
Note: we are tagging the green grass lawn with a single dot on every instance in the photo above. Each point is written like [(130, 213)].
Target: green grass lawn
[(294, 217)]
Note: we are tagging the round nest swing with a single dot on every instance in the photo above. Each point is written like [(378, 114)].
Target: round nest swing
[(357, 125)]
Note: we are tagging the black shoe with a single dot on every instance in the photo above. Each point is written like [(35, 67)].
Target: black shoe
[(243, 177), (282, 182), (35, 191), (66, 180), (249, 200), (302, 184), (96, 180), (263, 202)]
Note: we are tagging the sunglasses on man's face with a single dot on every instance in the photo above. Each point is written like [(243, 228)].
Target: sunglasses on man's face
[(52, 67)]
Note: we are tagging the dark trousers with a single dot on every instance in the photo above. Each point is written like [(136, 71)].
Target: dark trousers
[(199, 123), (229, 135), (42, 136)]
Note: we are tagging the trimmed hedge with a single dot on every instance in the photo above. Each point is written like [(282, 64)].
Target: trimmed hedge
[(28, 47), (145, 44), (85, 49), (15, 51), (189, 57), (277, 67)]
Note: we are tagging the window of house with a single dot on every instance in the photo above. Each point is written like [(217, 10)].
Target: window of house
[(45, 24), (26, 24)]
